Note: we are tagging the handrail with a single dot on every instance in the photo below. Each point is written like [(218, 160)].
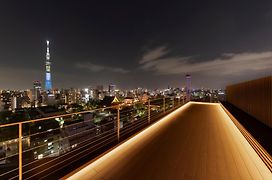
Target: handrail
[(69, 114), (57, 116), (119, 115)]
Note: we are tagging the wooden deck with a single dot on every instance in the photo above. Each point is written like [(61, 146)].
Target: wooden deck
[(197, 141)]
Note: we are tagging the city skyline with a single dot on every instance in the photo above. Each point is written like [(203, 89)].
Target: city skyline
[(150, 45), (136, 89)]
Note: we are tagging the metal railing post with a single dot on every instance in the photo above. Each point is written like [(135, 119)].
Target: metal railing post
[(20, 152), (148, 111), (118, 123), (163, 104)]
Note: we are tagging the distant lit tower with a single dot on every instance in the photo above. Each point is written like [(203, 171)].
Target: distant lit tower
[(188, 87), (48, 81)]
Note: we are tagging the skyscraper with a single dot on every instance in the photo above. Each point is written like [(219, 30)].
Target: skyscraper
[(188, 87), (112, 88), (37, 93), (13, 103), (48, 81)]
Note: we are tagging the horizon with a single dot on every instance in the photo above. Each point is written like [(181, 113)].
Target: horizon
[(151, 44)]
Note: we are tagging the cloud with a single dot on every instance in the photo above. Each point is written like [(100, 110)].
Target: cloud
[(98, 68), (154, 54), (226, 64)]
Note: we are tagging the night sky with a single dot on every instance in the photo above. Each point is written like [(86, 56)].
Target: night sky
[(150, 44)]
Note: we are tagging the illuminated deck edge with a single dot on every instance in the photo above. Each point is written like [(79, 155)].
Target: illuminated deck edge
[(126, 142), (89, 168), (262, 153)]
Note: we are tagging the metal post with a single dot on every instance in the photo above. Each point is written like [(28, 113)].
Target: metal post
[(20, 152), (163, 104), (118, 123), (148, 111), (173, 103)]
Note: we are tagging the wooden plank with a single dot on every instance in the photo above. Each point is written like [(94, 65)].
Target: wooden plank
[(198, 142)]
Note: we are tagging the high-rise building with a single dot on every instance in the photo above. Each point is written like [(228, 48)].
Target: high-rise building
[(6, 99), (1, 106), (37, 93), (188, 87), (112, 88), (48, 80), (13, 103)]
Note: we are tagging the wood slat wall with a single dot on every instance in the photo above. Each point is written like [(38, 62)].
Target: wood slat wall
[(253, 97)]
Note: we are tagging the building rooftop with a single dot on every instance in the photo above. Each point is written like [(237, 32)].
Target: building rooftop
[(197, 141)]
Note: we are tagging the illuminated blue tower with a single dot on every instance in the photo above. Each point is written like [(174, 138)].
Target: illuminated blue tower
[(48, 81)]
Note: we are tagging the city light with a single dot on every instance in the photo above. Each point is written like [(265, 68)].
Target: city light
[(101, 83)]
